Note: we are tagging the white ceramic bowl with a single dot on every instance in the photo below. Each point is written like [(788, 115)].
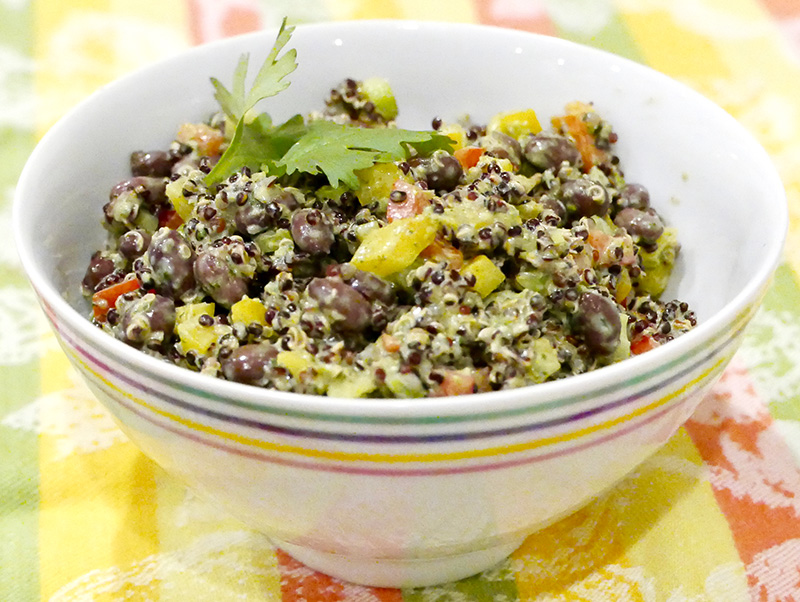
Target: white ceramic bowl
[(413, 492)]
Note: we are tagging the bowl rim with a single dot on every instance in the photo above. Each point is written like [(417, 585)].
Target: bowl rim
[(581, 385)]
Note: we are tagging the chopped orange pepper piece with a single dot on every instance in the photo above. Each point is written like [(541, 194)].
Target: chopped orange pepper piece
[(441, 250), (576, 128), (390, 343), (208, 140), (469, 156)]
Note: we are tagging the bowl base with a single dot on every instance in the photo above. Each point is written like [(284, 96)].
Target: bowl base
[(395, 573)]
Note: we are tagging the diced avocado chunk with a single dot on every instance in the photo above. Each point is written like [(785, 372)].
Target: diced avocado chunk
[(545, 362), (375, 183), (270, 241), (657, 264), (534, 280), (378, 91), (352, 385), (475, 214)]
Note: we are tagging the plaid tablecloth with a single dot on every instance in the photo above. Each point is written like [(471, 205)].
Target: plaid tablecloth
[(714, 516)]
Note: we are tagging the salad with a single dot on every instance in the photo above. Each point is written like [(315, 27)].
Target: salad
[(337, 254)]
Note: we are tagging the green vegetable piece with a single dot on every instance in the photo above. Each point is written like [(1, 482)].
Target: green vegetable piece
[(536, 281), (352, 385), (379, 93), (657, 265)]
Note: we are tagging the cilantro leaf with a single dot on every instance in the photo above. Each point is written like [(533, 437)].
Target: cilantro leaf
[(257, 145), (339, 151), (233, 103), (268, 82), (254, 141)]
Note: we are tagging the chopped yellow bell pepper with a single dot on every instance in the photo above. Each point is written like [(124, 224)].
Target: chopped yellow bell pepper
[(179, 202), (456, 133), (487, 275), (515, 123), (394, 247), (248, 310), (545, 359), (623, 287), (296, 361), (193, 335)]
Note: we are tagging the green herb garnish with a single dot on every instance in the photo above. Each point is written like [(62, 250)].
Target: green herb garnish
[(320, 146), (339, 150)]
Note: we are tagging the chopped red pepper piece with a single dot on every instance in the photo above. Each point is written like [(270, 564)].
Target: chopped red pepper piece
[(456, 383), (169, 218), (642, 344), (106, 299), (413, 203)]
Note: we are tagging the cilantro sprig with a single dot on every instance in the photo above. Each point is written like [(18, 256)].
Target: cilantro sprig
[(319, 146)]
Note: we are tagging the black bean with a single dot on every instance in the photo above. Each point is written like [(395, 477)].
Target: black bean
[(149, 318), (554, 207), (584, 197), (248, 363), (133, 244), (349, 310), (286, 199), (252, 217), (99, 267), (171, 258), (646, 226), (372, 287), (502, 146), (152, 190), (634, 195), (152, 163), (599, 322), (312, 231), (217, 279), (547, 150), (443, 172)]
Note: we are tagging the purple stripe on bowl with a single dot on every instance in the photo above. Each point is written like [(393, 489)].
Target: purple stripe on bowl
[(410, 439), (383, 472)]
